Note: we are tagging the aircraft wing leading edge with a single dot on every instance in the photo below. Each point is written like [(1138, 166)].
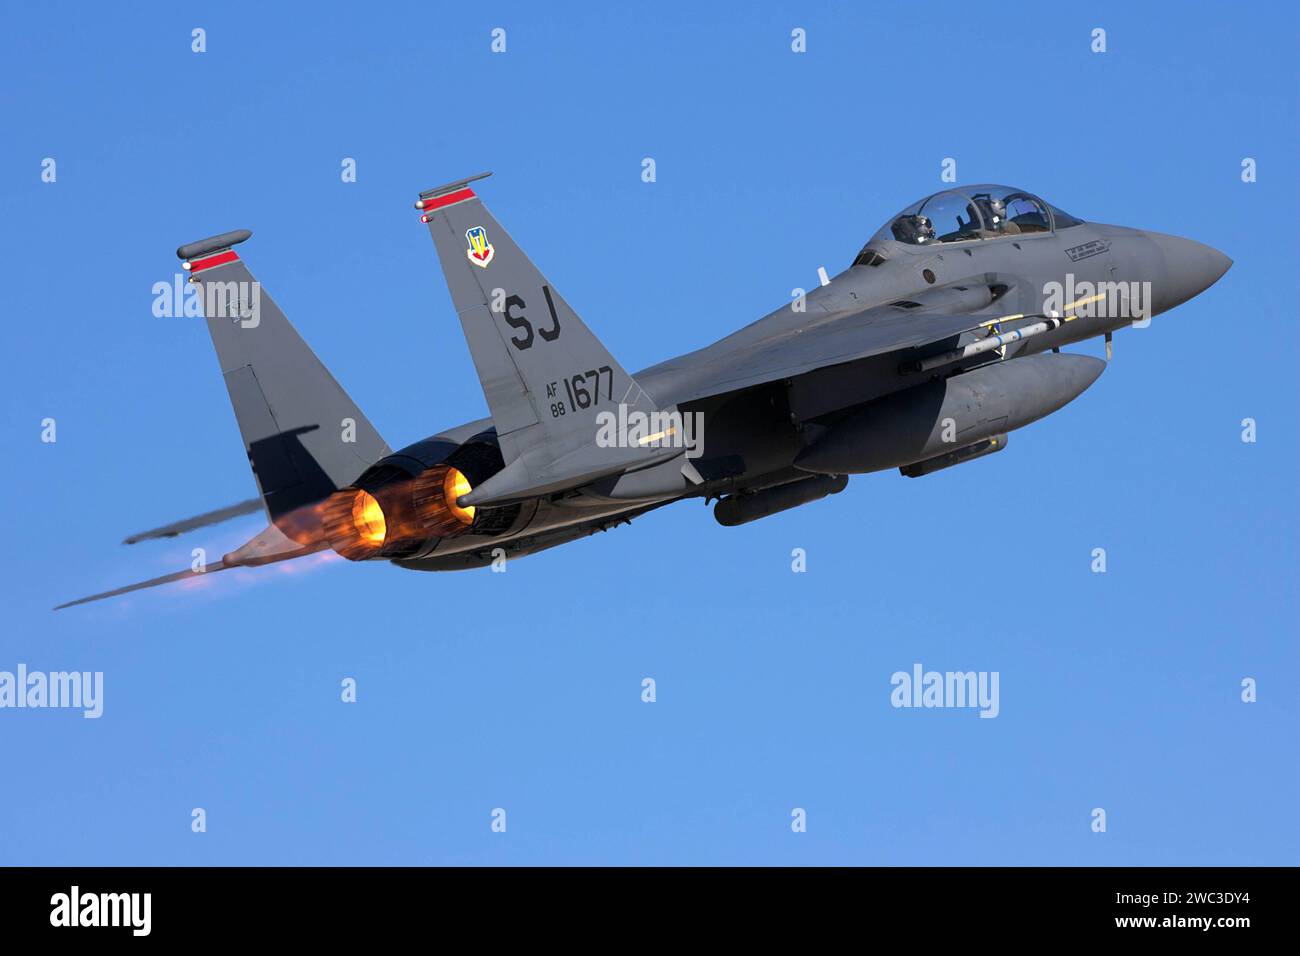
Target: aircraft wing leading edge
[(720, 368)]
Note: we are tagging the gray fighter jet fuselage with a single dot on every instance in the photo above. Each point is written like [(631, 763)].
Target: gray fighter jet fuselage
[(941, 338)]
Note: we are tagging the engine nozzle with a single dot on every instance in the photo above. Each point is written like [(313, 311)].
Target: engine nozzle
[(393, 518)]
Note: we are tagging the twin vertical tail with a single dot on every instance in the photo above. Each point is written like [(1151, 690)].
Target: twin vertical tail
[(305, 437), (546, 377)]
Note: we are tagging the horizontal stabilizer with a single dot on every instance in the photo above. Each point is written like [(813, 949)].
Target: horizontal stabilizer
[(151, 583), (216, 516), (267, 547)]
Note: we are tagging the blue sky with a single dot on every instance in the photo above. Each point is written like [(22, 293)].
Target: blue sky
[(522, 691)]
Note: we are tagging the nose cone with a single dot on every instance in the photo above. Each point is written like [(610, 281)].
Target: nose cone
[(1190, 268)]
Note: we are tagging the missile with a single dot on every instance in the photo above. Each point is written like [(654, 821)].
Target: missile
[(1050, 323), (987, 344)]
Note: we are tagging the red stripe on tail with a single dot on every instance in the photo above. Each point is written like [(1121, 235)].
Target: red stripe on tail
[(460, 195), (220, 259)]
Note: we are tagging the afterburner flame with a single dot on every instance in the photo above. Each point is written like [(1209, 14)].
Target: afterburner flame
[(368, 518), (453, 486), (396, 518), (434, 493), (353, 522)]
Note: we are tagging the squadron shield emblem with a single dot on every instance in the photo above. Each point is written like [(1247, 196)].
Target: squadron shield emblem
[(480, 251)]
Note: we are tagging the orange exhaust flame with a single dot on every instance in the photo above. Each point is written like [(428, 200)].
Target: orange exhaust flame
[(454, 486), (397, 517), (434, 493), (354, 523), (368, 518)]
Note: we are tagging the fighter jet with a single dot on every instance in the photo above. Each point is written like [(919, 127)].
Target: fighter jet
[(941, 337)]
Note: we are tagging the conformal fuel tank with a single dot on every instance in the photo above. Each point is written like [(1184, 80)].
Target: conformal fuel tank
[(921, 422)]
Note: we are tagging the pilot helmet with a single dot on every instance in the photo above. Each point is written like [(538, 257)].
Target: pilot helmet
[(913, 229), (993, 210)]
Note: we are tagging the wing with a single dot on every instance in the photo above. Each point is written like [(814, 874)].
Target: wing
[(267, 547), (151, 583), (730, 365)]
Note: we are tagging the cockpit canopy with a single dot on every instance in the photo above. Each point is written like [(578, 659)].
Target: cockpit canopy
[(973, 212)]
